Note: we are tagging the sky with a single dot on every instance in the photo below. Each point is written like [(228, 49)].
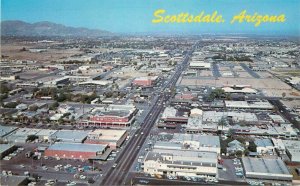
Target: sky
[(135, 16)]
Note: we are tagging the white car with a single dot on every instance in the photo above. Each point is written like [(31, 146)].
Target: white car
[(82, 177), (115, 165)]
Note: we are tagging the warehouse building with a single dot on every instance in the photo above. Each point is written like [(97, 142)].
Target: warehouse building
[(263, 168), (180, 163), (6, 130), (292, 148), (69, 136), (75, 150), (257, 105), (199, 65), (45, 134), (21, 135), (112, 138), (13, 180), (6, 149)]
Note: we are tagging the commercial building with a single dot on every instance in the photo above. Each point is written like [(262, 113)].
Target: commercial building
[(186, 96), (171, 114), (21, 135), (113, 116), (75, 150), (69, 136), (264, 146), (180, 162), (199, 65), (198, 142), (56, 82), (6, 149), (266, 169), (257, 105), (112, 138), (6, 130), (215, 116), (292, 148), (45, 134), (242, 89), (13, 180), (146, 81)]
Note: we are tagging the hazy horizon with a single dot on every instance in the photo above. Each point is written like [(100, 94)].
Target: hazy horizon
[(134, 17)]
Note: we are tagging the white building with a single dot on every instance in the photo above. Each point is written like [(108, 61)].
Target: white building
[(264, 146), (266, 169), (292, 149), (199, 65), (180, 162), (261, 105)]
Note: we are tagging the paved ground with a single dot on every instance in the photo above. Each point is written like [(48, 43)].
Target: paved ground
[(250, 71)]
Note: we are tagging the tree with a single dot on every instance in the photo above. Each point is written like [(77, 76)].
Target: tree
[(231, 133), (32, 137), (239, 153), (33, 108), (216, 94), (252, 146), (54, 105), (11, 105), (4, 89), (283, 94)]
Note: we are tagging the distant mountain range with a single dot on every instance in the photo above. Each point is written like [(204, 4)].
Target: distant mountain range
[(45, 28)]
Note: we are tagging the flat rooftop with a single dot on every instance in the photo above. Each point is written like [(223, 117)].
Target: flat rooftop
[(204, 140), (183, 157), (79, 147), (266, 168), (106, 134), (4, 130), (70, 135), (5, 147)]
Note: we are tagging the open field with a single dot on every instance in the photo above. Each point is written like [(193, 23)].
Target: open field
[(13, 52)]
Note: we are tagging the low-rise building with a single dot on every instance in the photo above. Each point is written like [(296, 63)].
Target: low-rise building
[(180, 162), (171, 114), (257, 105), (6, 149), (264, 146), (69, 136), (266, 169), (75, 150), (146, 81), (199, 65), (292, 149), (112, 138), (241, 89), (113, 116)]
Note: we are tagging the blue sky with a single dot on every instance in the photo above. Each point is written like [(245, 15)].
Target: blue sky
[(134, 16)]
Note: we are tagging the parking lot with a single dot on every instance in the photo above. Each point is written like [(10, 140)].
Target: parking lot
[(47, 168)]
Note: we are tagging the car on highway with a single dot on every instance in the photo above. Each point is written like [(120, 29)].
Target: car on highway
[(115, 165)]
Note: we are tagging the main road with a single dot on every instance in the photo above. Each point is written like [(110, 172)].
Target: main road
[(117, 175)]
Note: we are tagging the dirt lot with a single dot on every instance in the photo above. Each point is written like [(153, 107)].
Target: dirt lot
[(13, 52)]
